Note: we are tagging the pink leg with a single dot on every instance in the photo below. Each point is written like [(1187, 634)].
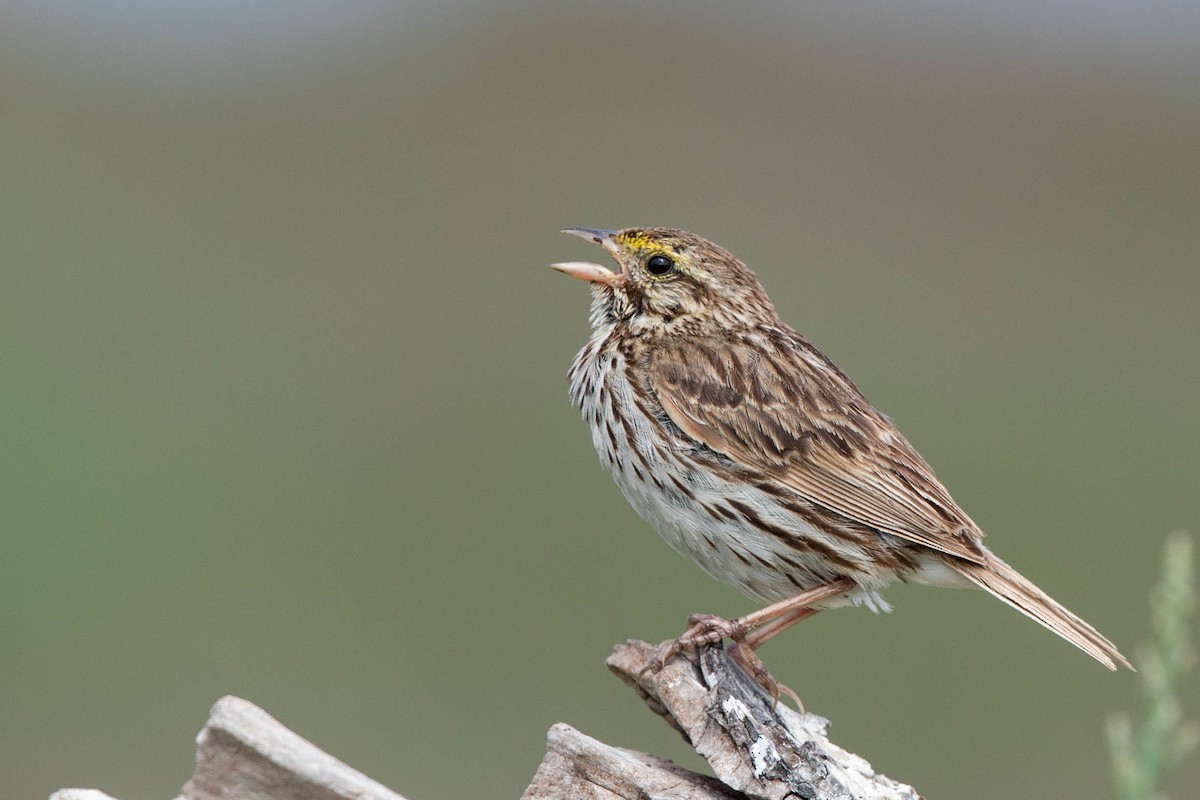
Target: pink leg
[(758, 638)]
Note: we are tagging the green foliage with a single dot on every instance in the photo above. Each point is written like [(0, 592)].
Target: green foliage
[(1162, 739)]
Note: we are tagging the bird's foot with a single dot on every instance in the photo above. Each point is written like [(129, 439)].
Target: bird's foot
[(709, 629), (703, 629)]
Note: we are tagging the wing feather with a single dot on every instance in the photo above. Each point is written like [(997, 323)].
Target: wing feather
[(777, 405)]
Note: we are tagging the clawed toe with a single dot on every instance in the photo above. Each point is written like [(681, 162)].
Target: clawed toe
[(662, 654), (703, 629), (709, 629), (704, 621)]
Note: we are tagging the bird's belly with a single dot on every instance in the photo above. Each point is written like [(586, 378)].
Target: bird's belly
[(705, 526)]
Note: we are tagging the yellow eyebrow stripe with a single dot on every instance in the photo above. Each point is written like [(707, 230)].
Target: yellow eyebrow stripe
[(639, 242)]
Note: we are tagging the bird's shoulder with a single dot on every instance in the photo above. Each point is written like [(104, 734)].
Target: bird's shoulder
[(763, 371)]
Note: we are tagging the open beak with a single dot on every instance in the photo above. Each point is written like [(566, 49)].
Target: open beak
[(587, 271)]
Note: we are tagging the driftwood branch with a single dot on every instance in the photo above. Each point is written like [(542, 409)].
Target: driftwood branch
[(243, 752), (577, 766), (754, 746), (246, 754), (757, 749)]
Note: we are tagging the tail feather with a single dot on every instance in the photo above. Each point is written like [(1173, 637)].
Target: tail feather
[(1005, 583)]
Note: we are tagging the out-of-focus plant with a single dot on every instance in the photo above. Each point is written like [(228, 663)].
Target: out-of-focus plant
[(1143, 753)]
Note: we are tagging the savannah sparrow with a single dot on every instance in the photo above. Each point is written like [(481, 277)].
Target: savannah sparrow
[(751, 452)]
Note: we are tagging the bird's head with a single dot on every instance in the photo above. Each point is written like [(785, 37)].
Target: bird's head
[(669, 280)]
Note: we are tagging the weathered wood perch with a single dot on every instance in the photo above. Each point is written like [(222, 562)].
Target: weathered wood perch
[(756, 749)]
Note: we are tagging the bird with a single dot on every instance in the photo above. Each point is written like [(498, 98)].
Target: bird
[(751, 452)]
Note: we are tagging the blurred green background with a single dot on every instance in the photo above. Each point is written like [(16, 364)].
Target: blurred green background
[(284, 396)]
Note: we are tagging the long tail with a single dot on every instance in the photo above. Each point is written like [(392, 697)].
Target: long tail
[(1004, 582)]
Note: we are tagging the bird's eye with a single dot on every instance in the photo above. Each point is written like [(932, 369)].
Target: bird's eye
[(659, 265)]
